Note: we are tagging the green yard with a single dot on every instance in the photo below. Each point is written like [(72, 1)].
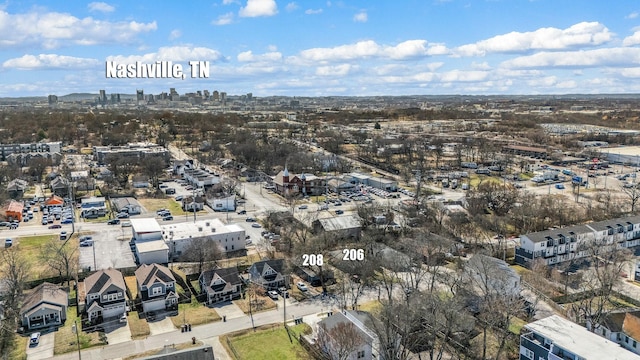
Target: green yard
[(65, 339), (152, 205), (139, 327), (195, 314), (268, 344)]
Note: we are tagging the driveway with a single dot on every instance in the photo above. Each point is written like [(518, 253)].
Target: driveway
[(228, 309), (44, 350), (118, 333), (161, 326)]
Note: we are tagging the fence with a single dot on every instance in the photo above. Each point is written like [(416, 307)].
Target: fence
[(557, 307), (233, 349)]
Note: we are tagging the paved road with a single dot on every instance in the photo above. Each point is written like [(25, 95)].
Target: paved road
[(206, 333)]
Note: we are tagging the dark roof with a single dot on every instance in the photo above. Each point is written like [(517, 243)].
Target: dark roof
[(101, 280), (277, 265), (229, 275), (45, 293), (147, 275), (541, 236)]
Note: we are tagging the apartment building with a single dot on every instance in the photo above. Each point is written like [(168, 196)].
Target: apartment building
[(559, 245), (136, 151), (48, 148), (556, 338)]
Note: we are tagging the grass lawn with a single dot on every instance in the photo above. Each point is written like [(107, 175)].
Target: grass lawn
[(194, 314), (152, 205), (132, 285), (372, 306), (19, 351), (65, 339), (516, 325), (268, 344), (260, 303), (139, 327), (30, 247)]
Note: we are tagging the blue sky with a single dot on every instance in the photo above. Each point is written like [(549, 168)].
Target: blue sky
[(323, 48)]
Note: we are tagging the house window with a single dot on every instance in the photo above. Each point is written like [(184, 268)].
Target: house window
[(361, 354), (156, 291), (626, 339), (634, 343), (527, 353)]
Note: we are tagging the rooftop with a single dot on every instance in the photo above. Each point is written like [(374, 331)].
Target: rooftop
[(145, 225), (199, 228), (578, 340), (151, 246)]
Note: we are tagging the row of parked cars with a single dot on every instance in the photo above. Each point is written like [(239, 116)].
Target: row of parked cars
[(165, 214)]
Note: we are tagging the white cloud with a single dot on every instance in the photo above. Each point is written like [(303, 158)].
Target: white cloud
[(480, 66), (361, 17), (248, 56), (620, 56), (256, 8), (632, 39), (463, 76), (171, 53), (291, 6), (101, 7), (176, 33), (368, 48), (229, 2), (633, 15), (337, 70), (52, 30), (313, 11), (581, 34), (224, 19), (49, 61)]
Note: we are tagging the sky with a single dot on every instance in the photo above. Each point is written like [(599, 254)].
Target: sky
[(324, 48)]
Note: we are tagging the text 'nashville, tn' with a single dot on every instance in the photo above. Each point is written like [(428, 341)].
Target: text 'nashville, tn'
[(158, 69)]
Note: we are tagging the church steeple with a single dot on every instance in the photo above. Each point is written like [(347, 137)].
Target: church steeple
[(285, 175)]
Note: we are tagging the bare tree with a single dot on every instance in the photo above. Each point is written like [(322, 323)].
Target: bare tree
[(340, 340), (60, 257), (14, 270), (633, 194), (153, 167), (204, 252)]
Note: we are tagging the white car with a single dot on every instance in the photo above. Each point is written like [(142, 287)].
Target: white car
[(302, 286)]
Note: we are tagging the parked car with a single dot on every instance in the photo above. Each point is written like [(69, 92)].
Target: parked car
[(63, 235), (88, 242), (125, 224), (13, 225), (113, 222), (273, 294), (122, 215), (8, 242), (4, 224), (167, 217), (255, 225), (161, 211), (301, 286), (249, 219), (302, 207), (559, 186), (339, 212), (123, 318), (283, 291), (242, 212), (179, 198), (34, 340), (55, 226), (66, 221)]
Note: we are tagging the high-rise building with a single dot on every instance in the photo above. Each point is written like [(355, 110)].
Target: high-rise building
[(140, 97), (103, 97), (53, 99), (216, 95), (206, 95), (223, 96), (249, 96)]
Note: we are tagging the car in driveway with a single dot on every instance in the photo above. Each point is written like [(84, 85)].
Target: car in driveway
[(301, 286), (273, 294), (255, 225), (34, 339), (122, 215), (283, 291), (55, 226)]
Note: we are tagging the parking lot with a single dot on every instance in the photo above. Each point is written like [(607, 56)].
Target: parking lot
[(110, 246)]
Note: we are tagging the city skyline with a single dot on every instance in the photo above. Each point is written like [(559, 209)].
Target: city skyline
[(325, 48)]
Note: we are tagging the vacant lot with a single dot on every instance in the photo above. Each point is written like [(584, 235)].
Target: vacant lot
[(269, 344), (259, 303), (195, 314), (30, 247), (152, 205)]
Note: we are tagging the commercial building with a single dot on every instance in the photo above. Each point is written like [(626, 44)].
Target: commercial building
[(627, 155), (178, 236), (136, 151)]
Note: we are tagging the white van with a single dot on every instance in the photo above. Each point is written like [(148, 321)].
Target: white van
[(34, 340)]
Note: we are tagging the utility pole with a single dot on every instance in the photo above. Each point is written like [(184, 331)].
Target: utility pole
[(76, 331), (418, 183)]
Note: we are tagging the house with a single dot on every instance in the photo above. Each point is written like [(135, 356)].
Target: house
[(492, 276), (566, 244), (363, 344), (190, 203), (220, 285), (16, 188), (45, 307), (93, 207), (140, 182), (179, 166), (621, 327), (127, 204), (557, 338), (104, 295), (59, 186), (156, 288), (341, 227), (268, 274), (14, 210)]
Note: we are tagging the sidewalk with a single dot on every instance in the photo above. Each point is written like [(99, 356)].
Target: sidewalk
[(208, 333)]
